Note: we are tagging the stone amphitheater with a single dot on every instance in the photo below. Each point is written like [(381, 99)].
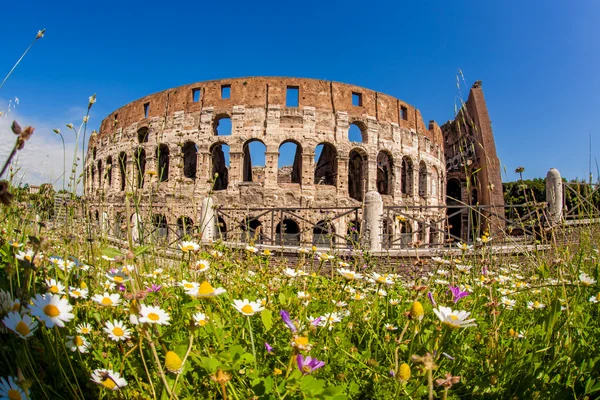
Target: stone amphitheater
[(204, 160)]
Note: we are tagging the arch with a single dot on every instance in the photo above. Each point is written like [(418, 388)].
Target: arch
[(287, 233), (357, 174), (93, 174), (453, 191), (109, 168), (289, 169), (97, 215), (143, 134), (139, 157), (385, 173), (222, 125), (353, 232), (185, 226), (435, 183), (100, 174), (221, 228), (220, 165), (252, 230), (407, 176), (94, 153), (406, 233), (357, 132), (254, 161), (422, 179), (323, 234), (326, 164), (161, 228), (162, 158), (123, 169), (190, 159), (453, 214)]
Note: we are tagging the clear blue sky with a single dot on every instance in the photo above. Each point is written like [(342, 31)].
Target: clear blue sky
[(539, 60)]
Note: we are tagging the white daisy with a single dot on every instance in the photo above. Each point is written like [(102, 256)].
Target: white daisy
[(52, 310), (78, 343), (116, 330), (205, 290), (390, 327), (153, 315), (303, 295), (55, 287), (107, 300), (349, 275), (22, 326), (291, 273), (378, 278), (10, 390), (118, 277), (440, 260), (586, 280), (533, 305), (78, 293), (464, 246), (107, 258), (25, 255), (108, 379), (188, 246), (454, 319), (248, 308), (189, 285), (251, 249), (358, 296), (508, 303), (84, 329), (394, 302), (202, 265), (200, 319), (594, 299)]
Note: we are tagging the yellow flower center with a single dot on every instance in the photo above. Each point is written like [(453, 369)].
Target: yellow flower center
[(118, 331), (453, 317), (109, 383), (78, 340), (301, 341), (85, 331), (536, 304), (404, 372), (22, 328), (106, 301), (118, 279), (205, 289), (77, 293), (14, 395), (188, 285), (247, 309), (173, 362), (53, 289), (16, 306), (202, 322), (51, 310), (153, 316), (83, 285)]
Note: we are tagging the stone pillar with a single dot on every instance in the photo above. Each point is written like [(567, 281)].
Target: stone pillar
[(207, 220), (308, 168), (373, 221), (554, 196), (271, 162), (236, 159)]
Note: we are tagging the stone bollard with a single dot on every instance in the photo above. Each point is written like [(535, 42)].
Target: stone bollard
[(207, 220), (554, 196), (373, 221)]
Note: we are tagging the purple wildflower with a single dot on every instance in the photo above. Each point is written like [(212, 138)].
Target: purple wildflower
[(392, 373), (484, 271), (269, 348), (308, 364), (288, 321), (431, 299), (154, 288), (121, 287), (457, 294), (315, 322)]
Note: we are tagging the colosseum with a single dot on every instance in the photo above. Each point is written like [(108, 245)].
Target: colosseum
[(286, 161)]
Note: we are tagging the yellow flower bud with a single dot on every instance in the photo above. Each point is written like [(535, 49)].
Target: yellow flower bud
[(511, 332), (416, 311), (173, 363), (277, 371), (404, 372)]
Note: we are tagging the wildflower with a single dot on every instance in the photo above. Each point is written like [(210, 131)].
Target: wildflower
[(457, 294), (404, 372), (107, 258), (431, 299), (269, 348), (200, 319), (202, 265), (107, 300), (291, 273), (441, 282), (205, 290), (186, 247), (77, 343), (448, 381), (464, 246), (251, 249), (116, 330), (9, 389), (454, 319), (308, 364), (484, 239), (285, 316), (173, 362), (154, 315), (86, 119), (381, 293), (52, 310), (394, 302), (92, 99), (532, 305), (382, 279), (277, 371), (55, 287), (440, 260), (339, 303), (508, 303), (416, 311), (302, 250), (108, 379), (330, 319), (594, 299), (189, 285), (84, 329), (442, 272), (463, 268), (586, 280), (266, 252), (325, 256), (349, 275), (25, 255), (77, 293), (153, 288), (220, 377), (390, 327), (248, 308), (22, 326), (303, 295), (118, 277), (301, 343)]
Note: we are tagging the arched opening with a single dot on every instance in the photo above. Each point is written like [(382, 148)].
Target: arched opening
[(222, 126), (140, 165), (434, 183), (289, 163), (109, 168), (357, 133), (162, 157), (357, 164), (254, 161), (220, 166), (97, 214), (422, 179), (161, 228), (353, 232), (326, 169), (407, 176), (453, 200), (388, 234), (142, 135), (252, 231), (406, 233), (190, 159), (93, 173), (123, 169), (324, 234), (185, 227), (287, 233), (221, 228), (385, 173), (100, 174), (94, 153)]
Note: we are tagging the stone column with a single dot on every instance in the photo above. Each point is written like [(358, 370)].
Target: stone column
[(236, 158), (554, 196), (207, 220), (308, 168), (373, 221), (271, 161)]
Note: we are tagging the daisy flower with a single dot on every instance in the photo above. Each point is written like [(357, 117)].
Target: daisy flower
[(9, 389), (107, 300), (394, 302), (464, 246), (532, 305), (454, 319), (202, 265), (303, 295), (248, 308), (291, 273), (78, 343), (52, 310), (25, 255), (349, 275), (594, 299), (586, 280), (107, 258), (22, 326), (84, 329), (390, 327), (108, 379), (77, 293), (200, 319), (440, 260), (118, 277), (116, 330), (186, 247), (251, 249), (384, 279), (154, 315), (189, 285), (205, 290), (508, 303), (55, 287)]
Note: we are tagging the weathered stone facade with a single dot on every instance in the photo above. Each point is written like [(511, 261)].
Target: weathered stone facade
[(167, 147)]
